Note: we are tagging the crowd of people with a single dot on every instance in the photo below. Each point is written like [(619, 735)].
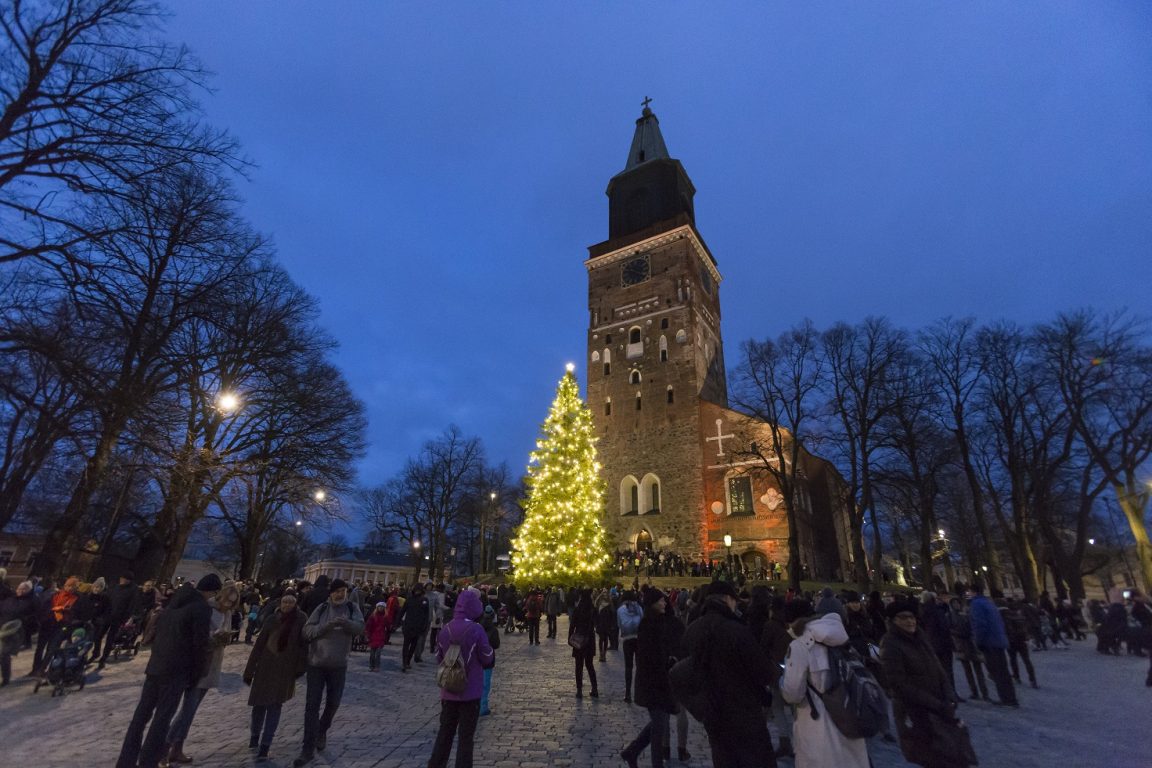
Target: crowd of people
[(763, 653)]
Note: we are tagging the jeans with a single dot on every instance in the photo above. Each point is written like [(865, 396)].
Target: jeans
[(432, 633), (602, 643), (420, 643), (629, 665), (974, 671), (455, 715), (487, 690), (266, 718), (997, 661), (655, 733), (183, 721), (326, 683), (552, 626), (374, 658), (159, 699), (534, 630)]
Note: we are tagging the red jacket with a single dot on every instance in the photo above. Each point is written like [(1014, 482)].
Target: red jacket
[(376, 628)]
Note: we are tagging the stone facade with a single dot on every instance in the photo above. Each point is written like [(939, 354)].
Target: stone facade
[(657, 388)]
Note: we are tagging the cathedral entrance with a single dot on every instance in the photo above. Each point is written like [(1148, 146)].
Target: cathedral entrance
[(643, 542), (754, 561)]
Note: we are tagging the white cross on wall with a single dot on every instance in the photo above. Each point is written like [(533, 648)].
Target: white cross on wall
[(720, 437)]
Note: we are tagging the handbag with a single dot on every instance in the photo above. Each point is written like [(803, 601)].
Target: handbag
[(951, 738), (578, 641)]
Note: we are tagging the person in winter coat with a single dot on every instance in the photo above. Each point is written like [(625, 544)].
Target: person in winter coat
[(553, 607), (605, 622), (435, 615), (488, 621), (966, 652), (1016, 627), (328, 631), (414, 623), (123, 604), (774, 640), (179, 658), (375, 628), (922, 696), (18, 606), (628, 617), (533, 608), (92, 607), (738, 676), (936, 621), (653, 691), (278, 657), (991, 640), (817, 741), (459, 712), (583, 624), (220, 631)]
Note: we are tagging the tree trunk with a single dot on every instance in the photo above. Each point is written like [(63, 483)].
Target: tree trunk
[(1133, 505)]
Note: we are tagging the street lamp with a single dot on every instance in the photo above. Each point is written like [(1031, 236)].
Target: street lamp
[(728, 550), (227, 402), (416, 557), (319, 495)]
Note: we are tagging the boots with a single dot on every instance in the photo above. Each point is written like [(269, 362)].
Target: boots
[(176, 754)]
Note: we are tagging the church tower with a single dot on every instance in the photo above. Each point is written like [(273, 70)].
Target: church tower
[(656, 358)]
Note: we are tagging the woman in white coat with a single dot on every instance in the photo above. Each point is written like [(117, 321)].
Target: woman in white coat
[(817, 742)]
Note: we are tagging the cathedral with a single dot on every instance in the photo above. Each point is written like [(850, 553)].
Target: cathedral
[(658, 391)]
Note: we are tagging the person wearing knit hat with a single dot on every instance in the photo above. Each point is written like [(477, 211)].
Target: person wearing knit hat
[(374, 628), (329, 632), (180, 655)]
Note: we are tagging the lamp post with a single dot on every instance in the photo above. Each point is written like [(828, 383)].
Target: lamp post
[(416, 557), (728, 551)]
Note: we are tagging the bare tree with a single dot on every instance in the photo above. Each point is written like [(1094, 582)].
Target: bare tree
[(90, 104), (1104, 375), (778, 383), (950, 347), (860, 379)]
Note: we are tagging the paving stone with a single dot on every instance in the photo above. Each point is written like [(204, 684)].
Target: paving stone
[(1085, 714)]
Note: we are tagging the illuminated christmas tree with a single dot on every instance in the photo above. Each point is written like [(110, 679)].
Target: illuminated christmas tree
[(561, 540)]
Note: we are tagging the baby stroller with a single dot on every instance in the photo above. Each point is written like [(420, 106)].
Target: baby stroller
[(66, 666), (126, 639)]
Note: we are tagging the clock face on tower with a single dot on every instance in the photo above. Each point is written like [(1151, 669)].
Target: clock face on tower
[(634, 271)]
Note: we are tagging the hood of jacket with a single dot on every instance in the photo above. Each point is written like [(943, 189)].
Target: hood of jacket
[(827, 630), (468, 605)]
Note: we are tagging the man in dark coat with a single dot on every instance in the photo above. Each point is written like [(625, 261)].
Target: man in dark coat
[(738, 676), (936, 620), (653, 691), (123, 604), (414, 620), (179, 658)]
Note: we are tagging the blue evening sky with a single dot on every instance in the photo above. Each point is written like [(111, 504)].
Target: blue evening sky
[(434, 172)]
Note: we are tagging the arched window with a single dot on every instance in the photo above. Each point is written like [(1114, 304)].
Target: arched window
[(629, 496), (639, 402), (634, 377), (595, 357), (607, 361), (635, 346), (681, 336), (650, 492), (671, 397), (663, 348)]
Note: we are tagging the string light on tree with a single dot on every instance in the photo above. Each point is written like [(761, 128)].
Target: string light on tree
[(561, 539)]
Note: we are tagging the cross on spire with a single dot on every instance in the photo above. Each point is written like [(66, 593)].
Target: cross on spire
[(646, 102)]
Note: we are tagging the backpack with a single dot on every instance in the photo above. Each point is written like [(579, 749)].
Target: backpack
[(854, 699), (452, 675)]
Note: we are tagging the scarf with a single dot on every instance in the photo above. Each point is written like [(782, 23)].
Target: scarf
[(284, 631)]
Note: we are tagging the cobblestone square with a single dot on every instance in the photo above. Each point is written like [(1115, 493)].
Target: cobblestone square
[(1090, 712)]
